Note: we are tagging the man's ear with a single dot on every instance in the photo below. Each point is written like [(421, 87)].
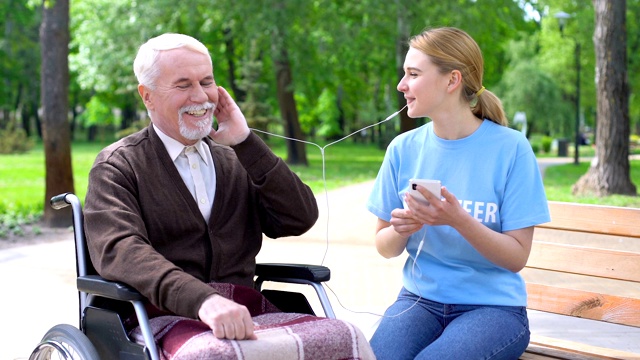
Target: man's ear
[(145, 94), (455, 80)]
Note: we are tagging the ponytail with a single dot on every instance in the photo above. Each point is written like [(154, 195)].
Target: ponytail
[(488, 106)]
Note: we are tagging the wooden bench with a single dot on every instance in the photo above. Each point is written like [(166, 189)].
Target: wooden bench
[(585, 263)]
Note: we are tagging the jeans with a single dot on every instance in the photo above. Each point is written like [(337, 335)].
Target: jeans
[(431, 330)]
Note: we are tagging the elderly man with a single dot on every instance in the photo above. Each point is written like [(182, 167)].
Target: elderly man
[(179, 204)]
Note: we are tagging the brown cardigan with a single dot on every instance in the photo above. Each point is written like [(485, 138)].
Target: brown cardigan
[(144, 228)]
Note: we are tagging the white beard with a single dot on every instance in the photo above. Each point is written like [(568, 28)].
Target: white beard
[(200, 128)]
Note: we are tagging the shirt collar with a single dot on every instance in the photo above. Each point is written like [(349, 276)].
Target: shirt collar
[(175, 148), (200, 146)]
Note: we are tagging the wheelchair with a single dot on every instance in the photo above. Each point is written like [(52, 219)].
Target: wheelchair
[(104, 304)]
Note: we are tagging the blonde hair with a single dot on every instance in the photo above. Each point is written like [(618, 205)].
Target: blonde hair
[(144, 64), (453, 49)]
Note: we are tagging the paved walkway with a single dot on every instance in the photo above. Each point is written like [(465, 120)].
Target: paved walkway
[(39, 281)]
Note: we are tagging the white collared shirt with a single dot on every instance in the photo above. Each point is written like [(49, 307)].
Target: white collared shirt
[(176, 152)]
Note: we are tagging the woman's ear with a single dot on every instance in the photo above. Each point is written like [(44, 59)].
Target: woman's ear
[(455, 80)]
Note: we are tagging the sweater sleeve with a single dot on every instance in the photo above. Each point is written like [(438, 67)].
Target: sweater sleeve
[(288, 205)]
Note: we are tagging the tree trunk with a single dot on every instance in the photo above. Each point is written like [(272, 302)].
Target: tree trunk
[(609, 172), (129, 115), (54, 43), (37, 119), (26, 123), (296, 152), (402, 46), (239, 94), (342, 122)]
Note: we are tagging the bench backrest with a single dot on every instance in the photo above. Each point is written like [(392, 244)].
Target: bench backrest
[(609, 279)]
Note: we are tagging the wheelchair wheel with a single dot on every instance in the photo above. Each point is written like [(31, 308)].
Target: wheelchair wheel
[(65, 342)]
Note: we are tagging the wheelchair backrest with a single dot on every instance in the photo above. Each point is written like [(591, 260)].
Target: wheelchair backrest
[(83, 260)]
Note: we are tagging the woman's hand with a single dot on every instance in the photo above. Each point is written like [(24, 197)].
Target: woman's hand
[(392, 236), (439, 211), (404, 223)]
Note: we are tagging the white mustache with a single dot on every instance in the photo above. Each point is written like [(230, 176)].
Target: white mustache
[(204, 106)]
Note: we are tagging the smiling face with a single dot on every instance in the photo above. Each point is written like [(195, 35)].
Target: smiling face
[(183, 99), (424, 87)]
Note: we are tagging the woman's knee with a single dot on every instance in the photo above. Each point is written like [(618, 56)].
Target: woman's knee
[(484, 333), (405, 329)]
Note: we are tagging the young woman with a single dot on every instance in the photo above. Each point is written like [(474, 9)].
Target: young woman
[(462, 296)]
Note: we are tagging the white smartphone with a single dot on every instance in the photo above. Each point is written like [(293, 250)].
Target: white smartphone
[(432, 185)]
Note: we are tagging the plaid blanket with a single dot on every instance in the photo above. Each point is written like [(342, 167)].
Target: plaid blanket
[(280, 335)]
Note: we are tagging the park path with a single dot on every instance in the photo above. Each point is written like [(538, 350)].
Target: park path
[(39, 280)]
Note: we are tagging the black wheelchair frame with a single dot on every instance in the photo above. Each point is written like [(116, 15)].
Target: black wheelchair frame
[(102, 304)]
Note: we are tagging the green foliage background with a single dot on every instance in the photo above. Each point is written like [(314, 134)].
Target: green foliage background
[(344, 61), (343, 56)]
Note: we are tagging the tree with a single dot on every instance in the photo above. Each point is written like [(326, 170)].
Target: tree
[(20, 60), (346, 48), (540, 98), (54, 42), (609, 174), (633, 71), (402, 46), (296, 151), (557, 57)]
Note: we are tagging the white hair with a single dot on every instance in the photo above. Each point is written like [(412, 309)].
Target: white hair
[(144, 64)]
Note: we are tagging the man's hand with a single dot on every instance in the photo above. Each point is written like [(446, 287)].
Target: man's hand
[(227, 319), (232, 125)]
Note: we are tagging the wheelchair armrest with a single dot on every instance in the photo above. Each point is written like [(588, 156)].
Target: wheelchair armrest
[(313, 273), (97, 285)]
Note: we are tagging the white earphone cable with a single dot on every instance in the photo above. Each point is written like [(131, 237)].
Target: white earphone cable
[(326, 192)]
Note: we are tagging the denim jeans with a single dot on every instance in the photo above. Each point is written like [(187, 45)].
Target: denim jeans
[(431, 330)]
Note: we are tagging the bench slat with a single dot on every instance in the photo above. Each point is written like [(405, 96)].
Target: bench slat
[(612, 264), (597, 219), (598, 264), (584, 304), (542, 347)]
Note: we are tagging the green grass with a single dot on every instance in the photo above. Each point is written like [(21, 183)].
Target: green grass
[(22, 176), (344, 164), (22, 180), (559, 179), (583, 151)]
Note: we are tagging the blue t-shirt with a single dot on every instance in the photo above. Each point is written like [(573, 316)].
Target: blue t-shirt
[(495, 176)]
